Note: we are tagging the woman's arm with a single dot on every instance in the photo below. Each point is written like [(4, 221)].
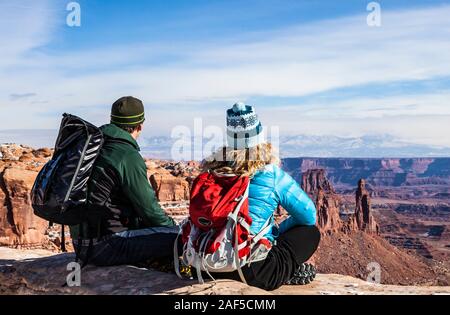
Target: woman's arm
[(294, 200)]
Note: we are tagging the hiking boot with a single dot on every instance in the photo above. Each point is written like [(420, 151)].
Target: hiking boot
[(304, 274), (186, 271)]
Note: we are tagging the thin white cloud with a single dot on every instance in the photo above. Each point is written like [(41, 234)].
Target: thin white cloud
[(418, 118), (24, 25), (296, 61), (293, 62)]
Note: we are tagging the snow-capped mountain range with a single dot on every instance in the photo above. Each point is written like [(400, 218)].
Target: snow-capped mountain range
[(290, 146), (323, 146)]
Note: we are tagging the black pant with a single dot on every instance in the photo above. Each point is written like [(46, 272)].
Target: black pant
[(131, 247), (292, 249)]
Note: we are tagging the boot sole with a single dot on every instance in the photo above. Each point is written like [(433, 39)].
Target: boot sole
[(305, 274)]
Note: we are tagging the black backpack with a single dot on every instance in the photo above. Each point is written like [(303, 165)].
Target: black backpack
[(59, 193)]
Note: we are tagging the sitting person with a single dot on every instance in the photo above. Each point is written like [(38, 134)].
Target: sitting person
[(133, 228), (297, 237)]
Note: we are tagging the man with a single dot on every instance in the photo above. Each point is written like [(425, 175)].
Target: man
[(132, 227)]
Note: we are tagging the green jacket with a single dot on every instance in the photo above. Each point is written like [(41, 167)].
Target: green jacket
[(119, 190)]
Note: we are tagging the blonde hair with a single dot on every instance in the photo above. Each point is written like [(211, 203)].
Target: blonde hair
[(243, 162)]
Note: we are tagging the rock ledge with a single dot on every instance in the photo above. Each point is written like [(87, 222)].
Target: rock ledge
[(42, 272)]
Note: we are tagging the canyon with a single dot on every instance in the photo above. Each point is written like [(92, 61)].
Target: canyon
[(410, 198), (378, 172), (351, 244), (402, 228)]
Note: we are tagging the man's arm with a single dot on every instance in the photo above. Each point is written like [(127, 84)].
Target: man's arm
[(138, 190)]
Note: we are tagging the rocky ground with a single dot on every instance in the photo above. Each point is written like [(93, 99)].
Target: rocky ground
[(43, 272)]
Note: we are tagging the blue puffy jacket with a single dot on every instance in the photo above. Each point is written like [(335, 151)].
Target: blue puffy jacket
[(272, 187)]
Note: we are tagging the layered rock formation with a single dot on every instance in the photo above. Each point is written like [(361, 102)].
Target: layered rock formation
[(12, 152), (318, 187), (363, 218), (19, 226), (321, 191), (349, 246), (19, 167), (377, 172), (168, 187), (171, 181)]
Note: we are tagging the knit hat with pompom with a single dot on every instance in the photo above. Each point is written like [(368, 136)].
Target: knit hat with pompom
[(244, 130)]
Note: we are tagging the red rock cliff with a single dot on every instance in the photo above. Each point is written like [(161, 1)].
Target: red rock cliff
[(363, 219), (319, 188), (19, 167), (321, 191), (169, 180)]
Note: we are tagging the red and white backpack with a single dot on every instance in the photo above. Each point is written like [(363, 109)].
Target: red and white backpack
[(216, 237)]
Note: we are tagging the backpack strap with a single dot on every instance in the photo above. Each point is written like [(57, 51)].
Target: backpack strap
[(91, 244), (89, 253), (233, 216), (78, 250), (63, 239), (80, 245), (176, 260), (236, 257), (264, 230)]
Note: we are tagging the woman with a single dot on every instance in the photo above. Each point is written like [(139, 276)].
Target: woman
[(297, 238)]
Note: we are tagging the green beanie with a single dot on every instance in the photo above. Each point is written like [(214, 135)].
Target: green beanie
[(127, 112)]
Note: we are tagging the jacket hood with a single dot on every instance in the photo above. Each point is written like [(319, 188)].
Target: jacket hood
[(115, 132)]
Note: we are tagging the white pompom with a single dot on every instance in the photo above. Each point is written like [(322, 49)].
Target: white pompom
[(239, 107)]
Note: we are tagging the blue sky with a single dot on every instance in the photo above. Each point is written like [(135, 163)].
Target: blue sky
[(309, 67)]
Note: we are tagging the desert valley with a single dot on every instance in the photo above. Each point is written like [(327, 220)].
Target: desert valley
[(410, 198)]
